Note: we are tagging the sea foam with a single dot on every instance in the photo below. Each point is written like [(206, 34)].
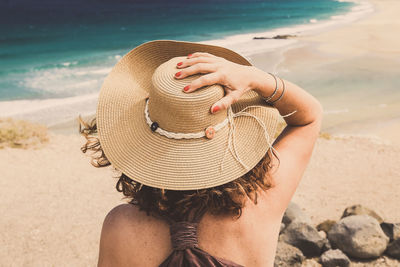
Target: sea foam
[(246, 45), (73, 89)]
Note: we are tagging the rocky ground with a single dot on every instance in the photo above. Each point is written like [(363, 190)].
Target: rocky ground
[(360, 237)]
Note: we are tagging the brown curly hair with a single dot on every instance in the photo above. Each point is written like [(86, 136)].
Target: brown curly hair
[(174, 205)]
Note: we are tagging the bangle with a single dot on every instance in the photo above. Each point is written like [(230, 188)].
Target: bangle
[(280, 97), (276, 89)]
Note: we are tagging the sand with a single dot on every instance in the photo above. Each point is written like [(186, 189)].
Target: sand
[(353, 70), (54, 201), (357, 170), (53, 204)]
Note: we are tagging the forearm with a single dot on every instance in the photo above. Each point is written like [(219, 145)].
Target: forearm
[(308, 109)]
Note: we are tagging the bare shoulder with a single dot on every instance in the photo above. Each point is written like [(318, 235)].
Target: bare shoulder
[(121, 212), (116, 230), (126, 233), (123, 215)]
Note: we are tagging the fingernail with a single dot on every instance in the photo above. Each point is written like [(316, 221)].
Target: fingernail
[(180, 63), (178, 74), (215, 109), (186, 88), (190, 55)]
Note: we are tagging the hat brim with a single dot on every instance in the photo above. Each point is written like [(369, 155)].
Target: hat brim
[(176, 164)]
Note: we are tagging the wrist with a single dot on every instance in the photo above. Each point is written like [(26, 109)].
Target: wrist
[(262, 82)]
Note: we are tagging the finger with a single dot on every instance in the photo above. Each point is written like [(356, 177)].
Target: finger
[(198, 54), (208, 79), (226, 101), (197, 68), (195, 60)]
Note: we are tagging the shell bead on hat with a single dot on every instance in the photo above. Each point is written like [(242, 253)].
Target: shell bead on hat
[(210, 132)]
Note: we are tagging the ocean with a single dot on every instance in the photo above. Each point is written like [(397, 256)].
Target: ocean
[(54, 55)]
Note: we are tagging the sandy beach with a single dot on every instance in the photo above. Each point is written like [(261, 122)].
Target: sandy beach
[(353, 70), (54, 201)]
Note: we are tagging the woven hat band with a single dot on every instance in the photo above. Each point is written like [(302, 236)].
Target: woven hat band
[(209, 132), (177, 111)]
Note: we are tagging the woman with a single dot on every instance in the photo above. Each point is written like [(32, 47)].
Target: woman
[(212, 198)]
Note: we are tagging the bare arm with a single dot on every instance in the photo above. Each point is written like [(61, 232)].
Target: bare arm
[(296, 142)]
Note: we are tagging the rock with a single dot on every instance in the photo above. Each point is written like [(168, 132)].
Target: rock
[(393, 249), (294, 212), (384, 261), (333, 258), (310, 263), (288, 255), (322, 234), (326, 225), (359, 236), (281, 36), (282, 228), (392, 230), (305, 237), (327, 245), (361, 210)]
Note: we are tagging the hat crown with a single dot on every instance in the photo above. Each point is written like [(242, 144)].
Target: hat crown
[(177, 111), (133, 93)]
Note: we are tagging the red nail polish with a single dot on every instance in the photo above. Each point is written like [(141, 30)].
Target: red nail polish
[(190, 55), (178, 74), (180, 63), (215, 109), (186, 88)]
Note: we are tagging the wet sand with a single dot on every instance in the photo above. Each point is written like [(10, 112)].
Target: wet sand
[(353, 70)]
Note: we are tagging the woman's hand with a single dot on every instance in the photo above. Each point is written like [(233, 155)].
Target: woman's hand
[(235, 78)]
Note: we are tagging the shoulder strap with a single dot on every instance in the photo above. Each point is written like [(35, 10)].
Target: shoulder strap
[(183, 235), (185, 245)]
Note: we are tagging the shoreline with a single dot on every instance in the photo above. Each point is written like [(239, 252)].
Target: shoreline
[(352, 70), (270, 55), (307, 50), (38, 110), (280, 60), (248, 47)]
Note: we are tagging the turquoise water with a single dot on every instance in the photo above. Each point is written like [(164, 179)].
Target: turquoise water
[(64, 49), (60, 37)]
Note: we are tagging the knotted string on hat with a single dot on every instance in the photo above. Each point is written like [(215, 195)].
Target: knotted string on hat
[(231, 135)]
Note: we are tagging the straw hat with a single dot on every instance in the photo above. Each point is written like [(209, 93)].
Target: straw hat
[(157, 135)]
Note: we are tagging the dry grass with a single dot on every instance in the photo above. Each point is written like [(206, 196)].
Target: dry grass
[(21, 134), (327, 136)]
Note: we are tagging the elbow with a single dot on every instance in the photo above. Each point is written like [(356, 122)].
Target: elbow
[(315, 114), (319, 114), (316, 118), (319, 111)]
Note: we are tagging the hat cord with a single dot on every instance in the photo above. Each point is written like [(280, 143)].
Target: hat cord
[(231, 136)]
